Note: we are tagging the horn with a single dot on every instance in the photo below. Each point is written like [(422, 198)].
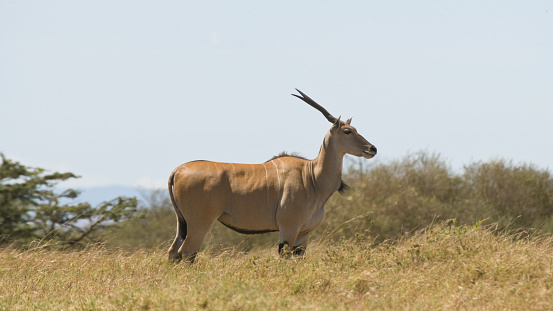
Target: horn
[(314, 104)]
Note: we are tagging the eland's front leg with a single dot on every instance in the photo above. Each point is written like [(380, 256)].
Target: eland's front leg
[(288, 237), (301, 244)]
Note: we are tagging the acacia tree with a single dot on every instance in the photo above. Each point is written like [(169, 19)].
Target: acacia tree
[(30, 208)]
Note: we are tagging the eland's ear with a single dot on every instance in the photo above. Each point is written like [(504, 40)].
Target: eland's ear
[(348, 122), (337, 124)]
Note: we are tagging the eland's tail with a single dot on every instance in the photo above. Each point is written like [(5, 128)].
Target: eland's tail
[(182, 226)]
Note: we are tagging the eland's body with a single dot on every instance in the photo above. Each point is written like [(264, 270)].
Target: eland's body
[(285, 194)]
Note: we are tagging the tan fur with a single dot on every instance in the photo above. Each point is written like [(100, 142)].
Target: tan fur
[(286, 194)]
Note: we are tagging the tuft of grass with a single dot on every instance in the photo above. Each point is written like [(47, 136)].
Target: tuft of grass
[(444, 266)]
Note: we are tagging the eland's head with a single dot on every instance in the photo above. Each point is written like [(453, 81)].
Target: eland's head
[(343, 135)]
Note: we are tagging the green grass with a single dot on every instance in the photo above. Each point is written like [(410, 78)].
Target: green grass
[(441, 268)]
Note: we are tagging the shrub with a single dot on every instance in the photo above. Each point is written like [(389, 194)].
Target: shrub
[(396, 197), (509, 194)]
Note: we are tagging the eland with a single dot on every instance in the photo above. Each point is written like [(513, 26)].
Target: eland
[(285, 194)]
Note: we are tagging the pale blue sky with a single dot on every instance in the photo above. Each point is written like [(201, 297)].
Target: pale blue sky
[(122, 92)]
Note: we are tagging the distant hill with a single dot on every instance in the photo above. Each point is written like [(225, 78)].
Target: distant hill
[(97, 195)]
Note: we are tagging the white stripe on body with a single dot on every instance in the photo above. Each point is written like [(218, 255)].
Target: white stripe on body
[(278, 176), (267, 181)]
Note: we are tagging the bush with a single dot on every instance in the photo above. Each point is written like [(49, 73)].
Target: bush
[(394, 198), (391, 199), (154, 226), (31, 209), (509, 194)]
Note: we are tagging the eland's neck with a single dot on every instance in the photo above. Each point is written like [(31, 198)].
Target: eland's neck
[(327, 167)]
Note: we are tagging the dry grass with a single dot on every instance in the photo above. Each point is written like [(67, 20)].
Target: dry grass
[(444, 267)]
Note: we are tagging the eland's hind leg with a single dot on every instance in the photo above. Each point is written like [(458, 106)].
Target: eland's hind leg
[(179, 238), (197, 231)]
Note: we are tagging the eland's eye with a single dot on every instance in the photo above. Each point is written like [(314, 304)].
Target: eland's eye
[(347, 131)]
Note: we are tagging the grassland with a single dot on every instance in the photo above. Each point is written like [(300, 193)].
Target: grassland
[(367, 254), (444, 267)]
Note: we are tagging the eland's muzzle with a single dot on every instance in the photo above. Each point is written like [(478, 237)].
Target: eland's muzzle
[(372, 150)]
